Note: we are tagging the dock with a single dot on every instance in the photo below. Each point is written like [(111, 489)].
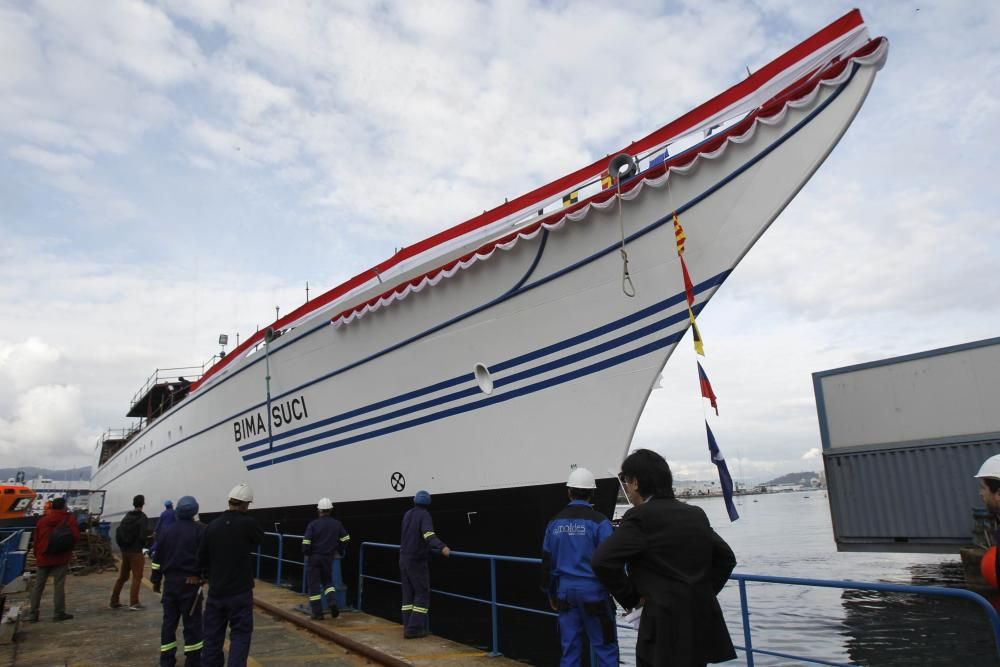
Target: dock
[(282, 636)]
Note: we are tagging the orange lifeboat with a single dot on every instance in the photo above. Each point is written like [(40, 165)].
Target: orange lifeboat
[(15, 501)]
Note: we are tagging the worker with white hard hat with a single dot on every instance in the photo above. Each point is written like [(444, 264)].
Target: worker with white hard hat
[(574, 591), (325, 539), (225, 559), (989, 492)]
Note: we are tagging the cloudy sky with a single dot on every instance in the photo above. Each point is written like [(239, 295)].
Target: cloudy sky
[(172, 170)]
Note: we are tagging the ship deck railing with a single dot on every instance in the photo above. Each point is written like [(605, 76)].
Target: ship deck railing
[(740, 579)]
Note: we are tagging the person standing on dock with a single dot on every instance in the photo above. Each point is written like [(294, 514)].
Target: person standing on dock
[(666, 559), (167, 517), (325, 538), (176, 560), (225, 556), (56, 534), (131, 536), (417, 541), (989, 493), (583, 603)]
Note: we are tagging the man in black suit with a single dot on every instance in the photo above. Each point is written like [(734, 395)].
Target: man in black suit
[(676, 566)]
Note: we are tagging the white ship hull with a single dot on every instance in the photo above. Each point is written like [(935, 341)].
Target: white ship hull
[(572, 359)]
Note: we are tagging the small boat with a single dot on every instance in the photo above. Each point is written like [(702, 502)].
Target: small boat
[(15, 502)]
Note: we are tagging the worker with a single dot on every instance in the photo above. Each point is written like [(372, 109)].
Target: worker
[(167, 517), (417, 542), (225, 558), (56, 534), (176, 560), (584, 605), (325, 538), (989, 492), (665, 558)]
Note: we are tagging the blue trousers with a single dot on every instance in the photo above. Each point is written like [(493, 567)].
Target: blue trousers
[(236, 611), (415, 577), (177, 600), (321, 583), (592, 613)]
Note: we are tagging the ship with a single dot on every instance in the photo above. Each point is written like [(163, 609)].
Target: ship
[(486, 362), (16, 500)]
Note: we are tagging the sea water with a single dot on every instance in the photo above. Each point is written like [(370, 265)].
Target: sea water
[(790, 535)]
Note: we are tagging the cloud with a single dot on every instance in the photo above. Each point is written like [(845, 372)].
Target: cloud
[(812, 455), (49, 160)]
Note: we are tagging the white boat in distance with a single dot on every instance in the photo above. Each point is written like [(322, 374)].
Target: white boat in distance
[(482, 364)]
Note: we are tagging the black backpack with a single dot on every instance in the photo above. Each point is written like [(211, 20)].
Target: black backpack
[(60, 539), (128, 532)]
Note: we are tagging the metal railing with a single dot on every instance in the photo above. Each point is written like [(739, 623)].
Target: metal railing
[(495, 605), (740, 579), (280, 559), (936, 591)]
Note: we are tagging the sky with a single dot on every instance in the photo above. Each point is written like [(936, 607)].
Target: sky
[(174, 170)]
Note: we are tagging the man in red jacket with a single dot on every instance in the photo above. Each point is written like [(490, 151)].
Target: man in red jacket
[(55, 536)]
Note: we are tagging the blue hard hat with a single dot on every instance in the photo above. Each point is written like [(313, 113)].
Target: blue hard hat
[(422, 498), (187, 507), (168, 503)]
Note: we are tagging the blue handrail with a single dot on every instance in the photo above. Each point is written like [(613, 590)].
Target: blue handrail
[(740, 579), (938, 591)]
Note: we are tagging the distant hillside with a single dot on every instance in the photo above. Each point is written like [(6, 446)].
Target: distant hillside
[(794, 478), (31, 472)]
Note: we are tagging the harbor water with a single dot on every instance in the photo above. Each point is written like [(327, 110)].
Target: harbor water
[(790, 535)]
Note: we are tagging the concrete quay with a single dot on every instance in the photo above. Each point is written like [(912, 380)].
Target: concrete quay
[(283, 637)]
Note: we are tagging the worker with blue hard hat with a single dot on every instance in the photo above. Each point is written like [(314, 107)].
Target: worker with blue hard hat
[(417, 542), (167, 517), (584, 605), (176, 561)]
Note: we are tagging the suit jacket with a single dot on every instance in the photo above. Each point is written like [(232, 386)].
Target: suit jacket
[(678, 564)]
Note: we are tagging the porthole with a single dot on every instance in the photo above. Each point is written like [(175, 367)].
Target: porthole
[(483, 378)]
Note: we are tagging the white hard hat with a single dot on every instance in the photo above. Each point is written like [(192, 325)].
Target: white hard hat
[(990, 468), (242, 492), (581, 478), (324, 504)]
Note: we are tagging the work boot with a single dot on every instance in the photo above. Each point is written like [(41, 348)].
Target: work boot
[(62, 617), (32, 618), (316, 617), (334, 611)]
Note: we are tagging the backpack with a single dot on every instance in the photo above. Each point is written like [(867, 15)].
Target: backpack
[(60, 539), (128, 532)]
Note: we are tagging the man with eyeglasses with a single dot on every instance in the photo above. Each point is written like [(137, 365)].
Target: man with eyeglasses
[(676, 566)]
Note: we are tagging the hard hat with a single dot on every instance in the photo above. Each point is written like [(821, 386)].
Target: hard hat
[(422, 498), (990, 468), (187, 507), (168, 503), (324, 504), (581, 478), (242, 492)]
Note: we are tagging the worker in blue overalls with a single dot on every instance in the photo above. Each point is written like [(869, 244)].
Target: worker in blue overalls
[(176, 560), (416, 543), (325, 538), (583, 604)]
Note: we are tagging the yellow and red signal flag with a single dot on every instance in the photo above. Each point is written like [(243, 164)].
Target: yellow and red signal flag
[(606, 180), (679, 235), (699, 345), (688, 286)]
